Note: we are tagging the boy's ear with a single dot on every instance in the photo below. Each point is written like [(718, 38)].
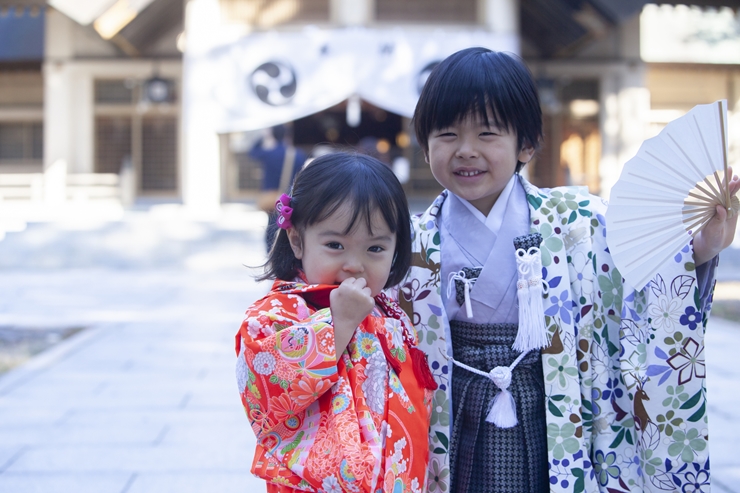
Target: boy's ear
[(526, 154), (296, 244)]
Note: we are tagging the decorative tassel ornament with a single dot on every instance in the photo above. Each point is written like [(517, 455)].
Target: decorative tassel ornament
[(466, 277), (419, 361), (503, 409), (532, 332), (392, 360), (421, 369)]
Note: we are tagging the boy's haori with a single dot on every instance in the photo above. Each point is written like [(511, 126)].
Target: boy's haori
[(616, 401), (624, 371)]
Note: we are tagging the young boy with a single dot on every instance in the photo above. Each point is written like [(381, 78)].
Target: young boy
[(614, 399)]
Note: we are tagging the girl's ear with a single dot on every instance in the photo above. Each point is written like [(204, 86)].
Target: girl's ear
[(296, 243), (526, 154)]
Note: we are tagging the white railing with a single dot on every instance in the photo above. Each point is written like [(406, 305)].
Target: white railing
[(77, 187)]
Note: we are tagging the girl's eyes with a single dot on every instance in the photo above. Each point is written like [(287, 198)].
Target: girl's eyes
[(338, 246)]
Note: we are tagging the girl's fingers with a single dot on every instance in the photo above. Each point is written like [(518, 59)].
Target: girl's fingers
[(352, 281)]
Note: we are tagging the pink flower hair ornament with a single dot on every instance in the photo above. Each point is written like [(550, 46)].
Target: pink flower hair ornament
[(282, 206)]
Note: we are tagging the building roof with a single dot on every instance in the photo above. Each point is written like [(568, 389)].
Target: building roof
[(557, 28), (21, 34)]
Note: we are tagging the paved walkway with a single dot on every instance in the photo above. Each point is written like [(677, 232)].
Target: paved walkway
[(144, 400)]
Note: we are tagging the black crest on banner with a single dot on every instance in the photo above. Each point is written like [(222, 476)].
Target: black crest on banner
[(274, 83)]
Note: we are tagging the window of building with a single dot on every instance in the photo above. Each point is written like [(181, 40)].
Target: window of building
[(21, 142), (427, 11), (132, 130), (112, 143), (21, 121)]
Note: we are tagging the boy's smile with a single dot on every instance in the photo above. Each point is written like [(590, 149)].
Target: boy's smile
[(475, 161)]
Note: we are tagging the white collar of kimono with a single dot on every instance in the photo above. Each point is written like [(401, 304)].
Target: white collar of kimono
[(496, 215)]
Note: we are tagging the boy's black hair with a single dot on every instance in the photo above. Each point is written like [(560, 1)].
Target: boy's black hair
[(474, 81), (331, 181)]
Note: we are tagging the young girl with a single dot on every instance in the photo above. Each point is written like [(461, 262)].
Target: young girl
[(553, 374), (328, 370)]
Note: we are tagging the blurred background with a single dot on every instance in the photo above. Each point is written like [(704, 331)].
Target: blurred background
[(134, 101), (129, 181)]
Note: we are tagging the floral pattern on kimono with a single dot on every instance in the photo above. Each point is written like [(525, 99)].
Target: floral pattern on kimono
[(321, 425), (624, 373)]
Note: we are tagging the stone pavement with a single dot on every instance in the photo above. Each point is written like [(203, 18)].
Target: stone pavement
[(144, 399)]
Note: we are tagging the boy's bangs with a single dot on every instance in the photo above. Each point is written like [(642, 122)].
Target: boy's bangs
[(470, 95), (485, 84)]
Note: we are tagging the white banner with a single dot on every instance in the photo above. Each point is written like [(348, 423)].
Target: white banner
[(270, 78), (683, 34)]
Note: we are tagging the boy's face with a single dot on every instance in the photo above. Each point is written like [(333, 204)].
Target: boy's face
[(475, 161)]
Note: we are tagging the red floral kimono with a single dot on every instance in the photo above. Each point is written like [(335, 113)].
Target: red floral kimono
[(356, 425)]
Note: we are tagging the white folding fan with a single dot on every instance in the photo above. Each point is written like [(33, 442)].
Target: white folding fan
[(668, 192)]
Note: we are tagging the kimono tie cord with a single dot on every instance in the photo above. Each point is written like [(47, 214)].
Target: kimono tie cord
[(503, 411)]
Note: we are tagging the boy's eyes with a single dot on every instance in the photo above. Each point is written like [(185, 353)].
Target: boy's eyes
[(489, 132)]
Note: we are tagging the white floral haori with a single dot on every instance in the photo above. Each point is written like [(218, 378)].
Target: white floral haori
[(624, 373)]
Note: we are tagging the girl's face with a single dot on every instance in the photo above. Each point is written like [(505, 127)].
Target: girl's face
[(329, 256), (475, 161)]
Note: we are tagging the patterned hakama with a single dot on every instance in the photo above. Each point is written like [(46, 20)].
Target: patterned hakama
[(483, 457)]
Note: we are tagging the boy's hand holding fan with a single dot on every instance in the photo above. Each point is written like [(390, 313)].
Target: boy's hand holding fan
[(678, 185)]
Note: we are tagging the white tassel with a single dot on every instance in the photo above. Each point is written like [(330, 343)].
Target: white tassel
[(503, 411), (468, 304), (523, 294), (467, 283), (532, 332)]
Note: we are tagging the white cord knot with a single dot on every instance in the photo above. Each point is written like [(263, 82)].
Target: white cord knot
[(501, 376), (503, 410)]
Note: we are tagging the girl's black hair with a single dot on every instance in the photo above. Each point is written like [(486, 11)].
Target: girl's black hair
[(331, 181), (474, 81)]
